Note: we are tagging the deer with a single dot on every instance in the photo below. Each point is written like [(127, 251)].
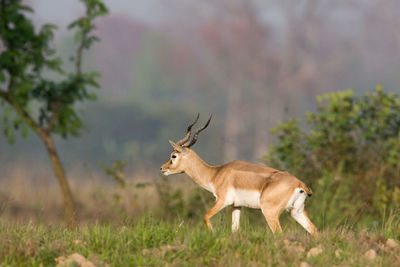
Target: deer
[(241, 184)]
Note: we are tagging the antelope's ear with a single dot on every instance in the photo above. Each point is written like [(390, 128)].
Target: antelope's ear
[(176, 147)]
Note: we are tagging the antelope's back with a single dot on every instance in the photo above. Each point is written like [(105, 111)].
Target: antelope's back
[(246, 175)]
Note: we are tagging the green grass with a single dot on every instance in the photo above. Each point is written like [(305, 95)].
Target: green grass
[(152, 241)]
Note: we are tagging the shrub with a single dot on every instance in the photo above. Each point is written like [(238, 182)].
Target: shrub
[(348, 136)]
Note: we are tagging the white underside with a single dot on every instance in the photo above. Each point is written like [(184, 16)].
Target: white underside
[(251, 199), (295, 207), (243, 198)]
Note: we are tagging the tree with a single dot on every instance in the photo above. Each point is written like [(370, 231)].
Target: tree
[(31, 100)]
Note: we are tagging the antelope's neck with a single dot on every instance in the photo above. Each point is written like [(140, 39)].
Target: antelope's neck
[(200, 172)]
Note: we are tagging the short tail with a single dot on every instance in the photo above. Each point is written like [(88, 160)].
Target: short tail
[(306, 189)]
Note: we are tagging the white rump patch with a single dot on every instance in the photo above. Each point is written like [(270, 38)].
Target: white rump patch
[(296, 208), (296, 195), (243, 198)]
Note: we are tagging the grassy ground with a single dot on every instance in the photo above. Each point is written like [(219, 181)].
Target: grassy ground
[(156, 242), (126, 235)]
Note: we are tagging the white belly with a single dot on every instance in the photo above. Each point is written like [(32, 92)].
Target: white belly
[(243, 198)]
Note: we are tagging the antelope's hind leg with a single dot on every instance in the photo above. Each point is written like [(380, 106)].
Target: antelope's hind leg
[(299, 213), (271, 212), (272, 218), (273, 202)]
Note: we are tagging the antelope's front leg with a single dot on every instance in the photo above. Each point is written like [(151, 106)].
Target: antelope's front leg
[(235, 218), (218, 205)]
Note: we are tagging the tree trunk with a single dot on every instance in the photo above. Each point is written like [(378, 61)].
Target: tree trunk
[(69, 205), (233, 123), (270, 111)]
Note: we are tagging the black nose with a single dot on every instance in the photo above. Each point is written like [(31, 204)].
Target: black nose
[(160, 168)]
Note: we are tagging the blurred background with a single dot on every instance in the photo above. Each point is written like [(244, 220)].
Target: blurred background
[(249, 63)]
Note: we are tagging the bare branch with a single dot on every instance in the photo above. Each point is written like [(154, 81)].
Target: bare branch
[(54, 116), (78, 71), (3, 95), (22, 112), (79, 54)]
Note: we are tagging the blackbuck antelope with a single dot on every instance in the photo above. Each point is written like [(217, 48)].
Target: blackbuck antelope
[(241, 184)]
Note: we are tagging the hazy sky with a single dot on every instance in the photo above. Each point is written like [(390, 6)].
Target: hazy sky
[(62, 12)]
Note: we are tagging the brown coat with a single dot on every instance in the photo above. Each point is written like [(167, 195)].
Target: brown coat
[(241, 183)]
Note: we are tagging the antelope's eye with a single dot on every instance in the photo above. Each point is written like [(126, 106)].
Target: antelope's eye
[(173, 156)]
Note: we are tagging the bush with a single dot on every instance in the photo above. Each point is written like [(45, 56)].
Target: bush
[(356, 138)]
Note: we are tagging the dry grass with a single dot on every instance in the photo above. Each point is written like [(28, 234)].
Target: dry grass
[(34, 196)]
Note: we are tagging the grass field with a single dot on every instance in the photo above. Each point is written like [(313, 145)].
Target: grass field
[(155, 242), (162, 224)]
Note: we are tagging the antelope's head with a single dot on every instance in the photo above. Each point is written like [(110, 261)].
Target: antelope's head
[(180, 157)]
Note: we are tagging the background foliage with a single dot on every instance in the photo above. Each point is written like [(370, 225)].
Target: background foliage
[(260, 62), (348, 150), (157, 74)]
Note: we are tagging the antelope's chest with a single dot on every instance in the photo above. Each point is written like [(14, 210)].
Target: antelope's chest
[(243, 198)]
